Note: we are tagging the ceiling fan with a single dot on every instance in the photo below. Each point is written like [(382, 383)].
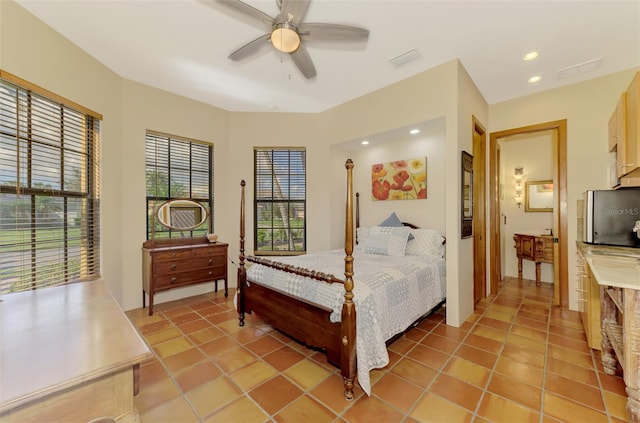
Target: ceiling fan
[(288, 33)]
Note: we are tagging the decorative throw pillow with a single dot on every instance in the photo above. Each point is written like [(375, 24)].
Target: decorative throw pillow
[(427, 242), (394, 221), (387, 240)]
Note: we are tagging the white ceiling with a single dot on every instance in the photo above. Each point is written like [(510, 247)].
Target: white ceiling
[(182, 46)]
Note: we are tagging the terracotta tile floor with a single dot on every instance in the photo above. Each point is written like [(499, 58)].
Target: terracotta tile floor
[(516, 359)]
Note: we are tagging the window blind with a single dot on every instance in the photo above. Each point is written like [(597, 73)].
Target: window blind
[(177, 168), (280, 200), (49, 190)]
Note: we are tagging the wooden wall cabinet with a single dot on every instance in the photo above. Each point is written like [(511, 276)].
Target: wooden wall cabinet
[(617, 132), (589, 303), (175, 263), (624, 134)]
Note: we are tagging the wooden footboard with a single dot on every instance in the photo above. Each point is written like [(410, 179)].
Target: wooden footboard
[(304, 321), (307, 323)]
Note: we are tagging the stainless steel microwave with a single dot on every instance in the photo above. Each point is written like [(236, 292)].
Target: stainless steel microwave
[(612, 217)]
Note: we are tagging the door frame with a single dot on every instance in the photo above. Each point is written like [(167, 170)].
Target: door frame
[(479, 137), (561, 295)]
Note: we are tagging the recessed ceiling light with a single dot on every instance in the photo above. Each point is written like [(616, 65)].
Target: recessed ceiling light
[(530, 56), (534, 79), (414, 131), (365, 142)]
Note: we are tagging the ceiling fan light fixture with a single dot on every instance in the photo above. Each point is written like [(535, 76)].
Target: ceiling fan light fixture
[(285, 38)]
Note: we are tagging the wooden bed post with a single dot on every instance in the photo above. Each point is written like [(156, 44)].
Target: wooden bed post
[(348, 326), (242, 272), (357, 210), (357, 215)]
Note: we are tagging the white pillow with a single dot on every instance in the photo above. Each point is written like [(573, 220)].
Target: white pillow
[(386, 240), (362, 233), (427, 242)]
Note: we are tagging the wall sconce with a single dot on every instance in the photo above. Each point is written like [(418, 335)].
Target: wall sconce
[(517, 176)]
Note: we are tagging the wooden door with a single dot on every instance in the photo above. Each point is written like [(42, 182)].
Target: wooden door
[(479, 213)]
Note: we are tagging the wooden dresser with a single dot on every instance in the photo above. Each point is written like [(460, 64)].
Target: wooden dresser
[(175, 263), (537, 248)]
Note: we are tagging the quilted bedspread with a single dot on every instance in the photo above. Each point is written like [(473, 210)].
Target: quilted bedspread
[(390, 293)]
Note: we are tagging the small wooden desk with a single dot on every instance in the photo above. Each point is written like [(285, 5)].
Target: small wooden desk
[(67, 353), (537, 248)]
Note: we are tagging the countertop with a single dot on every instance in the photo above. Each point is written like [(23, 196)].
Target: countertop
[(613, 266), (55, 338)]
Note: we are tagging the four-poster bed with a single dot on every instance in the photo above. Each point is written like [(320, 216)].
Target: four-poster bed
[(301, 297)]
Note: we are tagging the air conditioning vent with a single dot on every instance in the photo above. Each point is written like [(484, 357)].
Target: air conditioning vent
[(404, 58), (580, 68)]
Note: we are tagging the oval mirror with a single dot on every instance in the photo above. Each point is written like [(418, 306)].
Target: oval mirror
[(181, 214)]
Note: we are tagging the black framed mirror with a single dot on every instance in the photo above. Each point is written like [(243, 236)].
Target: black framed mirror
[(466, 195)]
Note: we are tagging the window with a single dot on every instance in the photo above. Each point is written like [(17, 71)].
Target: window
[(178, 168), (49, 188), (280, 201)]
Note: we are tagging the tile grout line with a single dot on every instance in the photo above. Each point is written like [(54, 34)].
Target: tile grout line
[(546, 360), (604, 402), (208, 358), (504, 343)]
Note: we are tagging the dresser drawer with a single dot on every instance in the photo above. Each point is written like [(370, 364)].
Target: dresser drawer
[(177, 254), (164, 281), (178, 266), (210, 251)]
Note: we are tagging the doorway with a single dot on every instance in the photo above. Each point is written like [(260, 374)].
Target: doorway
[(559, 149)]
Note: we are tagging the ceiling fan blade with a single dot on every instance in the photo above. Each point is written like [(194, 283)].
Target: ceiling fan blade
[(332, 32), (303, 61), (293, 11), (247, 10), (250, 48)]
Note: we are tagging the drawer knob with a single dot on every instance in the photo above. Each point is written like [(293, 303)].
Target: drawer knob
[(210, 273), (173, 254), (173, 266), (210, 261), (174, 279)]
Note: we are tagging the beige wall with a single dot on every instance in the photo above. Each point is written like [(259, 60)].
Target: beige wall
[(470, 104), (146, 108), (436, 93), (429, 213), (129, 108), (32, 51), (587, 107)]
